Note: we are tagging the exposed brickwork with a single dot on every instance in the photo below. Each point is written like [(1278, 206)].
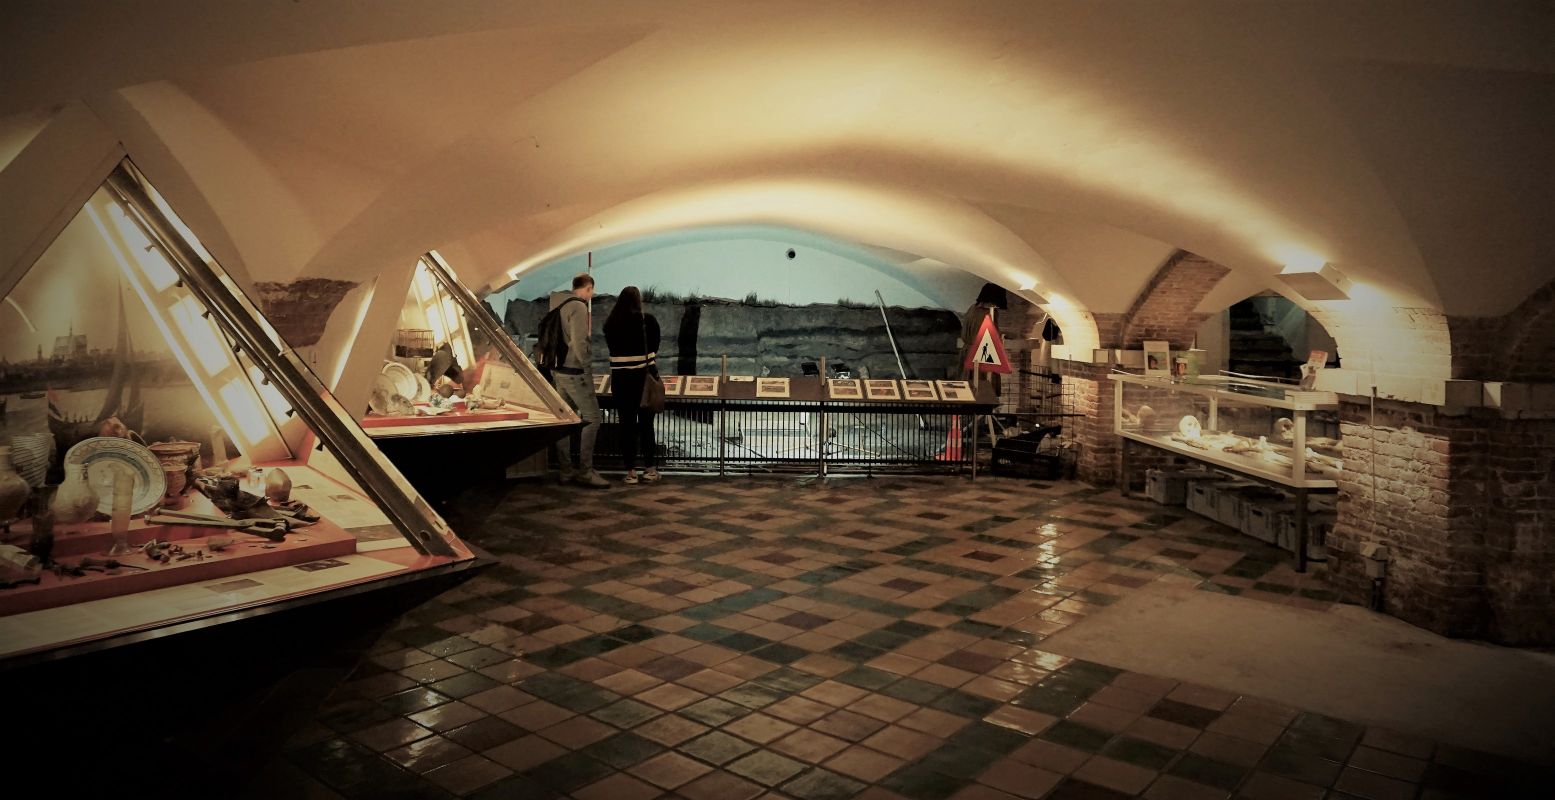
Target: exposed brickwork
[(299, 310), (1165, 309), (1518, 346), (1466, 506), (1097, 454)]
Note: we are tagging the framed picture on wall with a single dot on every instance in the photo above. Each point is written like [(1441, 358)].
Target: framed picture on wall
[(1158, 359)]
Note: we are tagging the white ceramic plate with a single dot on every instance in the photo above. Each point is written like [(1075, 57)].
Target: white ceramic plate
[(106, 456), (404, 379), (423, 390)]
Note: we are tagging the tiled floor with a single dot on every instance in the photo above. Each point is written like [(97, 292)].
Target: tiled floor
[(730, 639)]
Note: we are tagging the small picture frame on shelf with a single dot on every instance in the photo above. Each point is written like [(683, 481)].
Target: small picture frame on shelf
[(882, 390), (1158, 359), (602, 384), (701, 386), (776, 388), (956, 391), (919, 390), (672, 385), (844, 389)]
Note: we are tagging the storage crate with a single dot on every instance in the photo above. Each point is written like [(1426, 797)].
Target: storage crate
[(1170, 486), (1201, 498), (1228, 502), (1263, 521), (1256, 498)]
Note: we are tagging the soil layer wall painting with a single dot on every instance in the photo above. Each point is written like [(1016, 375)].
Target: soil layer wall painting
[(764, 338)]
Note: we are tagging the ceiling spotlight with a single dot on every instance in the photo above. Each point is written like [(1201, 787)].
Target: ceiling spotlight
[(1321, 282)]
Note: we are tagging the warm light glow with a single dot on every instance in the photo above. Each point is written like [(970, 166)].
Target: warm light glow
[(150, 258), (1297, 259), (272, 396), (251, 419), (210, 347), (1024, 282)]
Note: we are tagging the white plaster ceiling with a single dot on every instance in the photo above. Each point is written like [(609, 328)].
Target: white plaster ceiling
[(1073, 143)]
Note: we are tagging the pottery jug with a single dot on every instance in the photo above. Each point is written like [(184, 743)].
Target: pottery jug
[(278, 485), (13, 487), (76, 500)]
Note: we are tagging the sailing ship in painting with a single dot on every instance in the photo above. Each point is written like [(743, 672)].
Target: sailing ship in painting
[(123, 412)]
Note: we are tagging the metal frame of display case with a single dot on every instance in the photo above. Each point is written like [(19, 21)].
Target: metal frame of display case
[(1216, 389), (315, 404)]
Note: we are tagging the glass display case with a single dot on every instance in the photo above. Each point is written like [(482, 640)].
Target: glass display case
[(1270, 431), (451, 368), (165, 458)]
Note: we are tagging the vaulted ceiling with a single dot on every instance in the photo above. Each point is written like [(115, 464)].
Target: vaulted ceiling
[(1067, 146)]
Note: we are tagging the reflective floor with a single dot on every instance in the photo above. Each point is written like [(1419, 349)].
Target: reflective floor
[(736, 638)]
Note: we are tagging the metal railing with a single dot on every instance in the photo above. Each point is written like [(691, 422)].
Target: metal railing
[(720, 435)]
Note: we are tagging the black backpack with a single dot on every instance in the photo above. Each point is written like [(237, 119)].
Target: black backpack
[(551, 349)]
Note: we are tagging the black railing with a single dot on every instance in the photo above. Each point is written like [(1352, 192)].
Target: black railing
[(724, 435)]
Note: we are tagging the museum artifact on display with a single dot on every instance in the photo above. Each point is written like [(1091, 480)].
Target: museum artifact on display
[(882, 390)]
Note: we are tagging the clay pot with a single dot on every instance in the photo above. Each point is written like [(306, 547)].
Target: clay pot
[(177, 481), (14, 489), (76, 500)]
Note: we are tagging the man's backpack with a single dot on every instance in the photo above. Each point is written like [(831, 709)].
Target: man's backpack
[(551, 349)]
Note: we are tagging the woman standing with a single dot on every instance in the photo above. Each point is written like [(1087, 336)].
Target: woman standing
[(633, 338)]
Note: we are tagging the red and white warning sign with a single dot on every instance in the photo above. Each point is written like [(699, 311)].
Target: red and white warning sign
[(987, 352)]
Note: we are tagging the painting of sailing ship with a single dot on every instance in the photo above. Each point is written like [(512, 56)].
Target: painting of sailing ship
[(79, 351)]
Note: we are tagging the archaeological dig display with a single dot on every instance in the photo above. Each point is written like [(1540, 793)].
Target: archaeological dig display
[(164, 456)]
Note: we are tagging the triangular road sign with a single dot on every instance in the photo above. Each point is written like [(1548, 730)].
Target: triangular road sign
[(987, 352)]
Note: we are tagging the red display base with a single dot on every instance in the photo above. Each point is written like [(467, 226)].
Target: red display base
[(452, 417), (247, 553)]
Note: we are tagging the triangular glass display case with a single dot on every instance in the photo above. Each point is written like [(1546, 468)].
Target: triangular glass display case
[(437, 383), (166, 460)]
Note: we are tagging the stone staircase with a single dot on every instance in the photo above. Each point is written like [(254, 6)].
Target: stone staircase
[(1256, 348)]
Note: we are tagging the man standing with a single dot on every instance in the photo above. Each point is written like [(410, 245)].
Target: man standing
[(574, 379)]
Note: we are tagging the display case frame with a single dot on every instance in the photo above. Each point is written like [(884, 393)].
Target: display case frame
[(359, 525), (1226, 389)]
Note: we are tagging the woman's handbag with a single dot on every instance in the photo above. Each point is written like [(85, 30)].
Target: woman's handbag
[(653, 385), (653, 393)]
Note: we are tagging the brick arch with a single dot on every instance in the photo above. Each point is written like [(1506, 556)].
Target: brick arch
[(1166, 308), (1529, 335)]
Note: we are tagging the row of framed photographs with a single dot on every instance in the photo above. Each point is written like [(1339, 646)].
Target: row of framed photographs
[(911, 390), (836, 388)]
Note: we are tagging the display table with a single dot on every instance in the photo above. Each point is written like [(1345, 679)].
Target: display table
[(809, 430), (1256, 429)]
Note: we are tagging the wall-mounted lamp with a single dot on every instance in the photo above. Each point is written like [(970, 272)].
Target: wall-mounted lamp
[(1322, 282)]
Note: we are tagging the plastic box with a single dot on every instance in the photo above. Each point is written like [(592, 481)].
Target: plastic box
[(1170, 486)]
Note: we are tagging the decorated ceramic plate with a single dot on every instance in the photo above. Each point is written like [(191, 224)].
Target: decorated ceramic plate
[(404, 379), (107, 456)]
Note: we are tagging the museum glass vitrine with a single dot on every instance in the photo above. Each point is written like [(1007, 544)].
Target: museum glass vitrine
[(177, 460)]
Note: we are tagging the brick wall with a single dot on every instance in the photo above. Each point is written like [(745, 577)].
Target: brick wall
[(299, 310), (1466, 506), (1097, 447)]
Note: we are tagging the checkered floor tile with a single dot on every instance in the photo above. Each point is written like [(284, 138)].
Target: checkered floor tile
[(733, 639)]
